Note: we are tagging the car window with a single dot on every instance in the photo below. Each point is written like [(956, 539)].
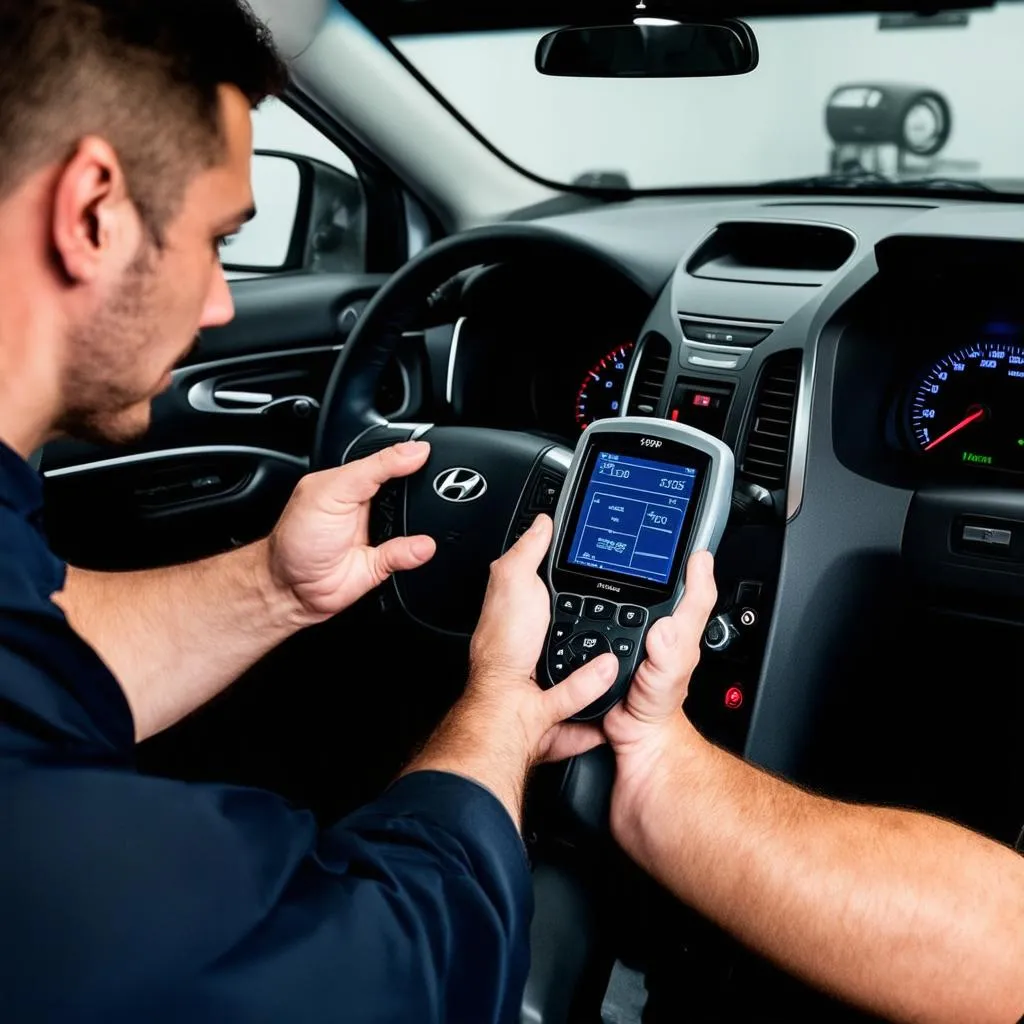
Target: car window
[(265, 245)]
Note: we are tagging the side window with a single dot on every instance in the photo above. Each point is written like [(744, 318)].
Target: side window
[(310, 211)]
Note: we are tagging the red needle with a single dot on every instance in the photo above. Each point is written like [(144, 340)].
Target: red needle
[(965, 422)]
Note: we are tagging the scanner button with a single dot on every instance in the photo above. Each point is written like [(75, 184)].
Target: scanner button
[(559, 669), (569, 604), (560, 631), (585, 647), (623, 647), (631, 616), (598, 609)]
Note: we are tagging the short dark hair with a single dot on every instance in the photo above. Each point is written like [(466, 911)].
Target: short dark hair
[(143, 74)]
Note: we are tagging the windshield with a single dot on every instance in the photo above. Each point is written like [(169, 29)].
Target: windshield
[(833, 94)]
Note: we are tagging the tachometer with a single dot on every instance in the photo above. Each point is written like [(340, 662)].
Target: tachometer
[(600, 394), (969, 407)]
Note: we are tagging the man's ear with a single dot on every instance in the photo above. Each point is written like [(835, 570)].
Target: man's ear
[(95, 223)]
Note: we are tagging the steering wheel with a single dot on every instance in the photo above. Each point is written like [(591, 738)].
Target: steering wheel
[(481, 487)]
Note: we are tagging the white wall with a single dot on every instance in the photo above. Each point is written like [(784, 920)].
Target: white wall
[(768, 124)]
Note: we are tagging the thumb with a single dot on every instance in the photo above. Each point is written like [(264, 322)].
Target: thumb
[(581, 689), (359, 481), (400, 554), (526, 555), (673, 648)]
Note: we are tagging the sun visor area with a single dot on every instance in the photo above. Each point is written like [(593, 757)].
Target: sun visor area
[(294, 23)]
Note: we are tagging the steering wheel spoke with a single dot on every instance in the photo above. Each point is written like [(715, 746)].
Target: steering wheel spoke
[(541, 492)]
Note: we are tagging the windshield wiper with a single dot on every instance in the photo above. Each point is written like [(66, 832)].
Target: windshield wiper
[(871, 180)]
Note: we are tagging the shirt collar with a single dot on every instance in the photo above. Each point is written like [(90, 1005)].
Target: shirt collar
[(21, 487)]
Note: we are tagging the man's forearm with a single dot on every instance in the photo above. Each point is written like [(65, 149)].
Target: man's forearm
[(467, 743), (910, 916), (176, 637)]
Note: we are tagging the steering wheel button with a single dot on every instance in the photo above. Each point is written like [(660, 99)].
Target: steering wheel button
[(569, 604), (623, 647), (631, 616), (598, 609), (545, 494)]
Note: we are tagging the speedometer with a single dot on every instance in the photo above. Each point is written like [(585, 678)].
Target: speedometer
[(969, 407), (600, 395)]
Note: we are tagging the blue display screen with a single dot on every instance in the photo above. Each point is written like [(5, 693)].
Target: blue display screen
[(631, 516)]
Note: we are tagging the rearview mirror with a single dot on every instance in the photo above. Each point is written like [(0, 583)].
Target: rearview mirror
[(649, 49)]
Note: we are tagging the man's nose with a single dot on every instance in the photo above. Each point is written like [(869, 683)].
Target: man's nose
[(220, 306)]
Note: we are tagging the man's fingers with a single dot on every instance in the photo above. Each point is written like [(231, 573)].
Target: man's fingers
[(673, 646), (581, 689), (359, 481), (685, 627), (571, 739), (401, 554), (525, 556), (700, 582)]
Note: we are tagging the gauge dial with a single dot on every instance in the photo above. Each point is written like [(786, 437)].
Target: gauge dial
[(969, 407), (600, 395)]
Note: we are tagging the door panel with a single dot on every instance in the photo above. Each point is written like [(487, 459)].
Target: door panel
[(165, 508), (229, 440)]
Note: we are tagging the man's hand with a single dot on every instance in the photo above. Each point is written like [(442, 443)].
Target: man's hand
[(650, 721), (320, 552), (505, 723), (508, 644)]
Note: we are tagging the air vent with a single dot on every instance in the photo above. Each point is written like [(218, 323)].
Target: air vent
[(645, 397), (770, 436), (771, 252)]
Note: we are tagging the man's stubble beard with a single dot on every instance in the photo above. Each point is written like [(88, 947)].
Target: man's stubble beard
[(102, 400)]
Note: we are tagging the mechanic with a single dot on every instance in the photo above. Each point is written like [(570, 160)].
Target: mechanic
[(126, 137), (905, 915)]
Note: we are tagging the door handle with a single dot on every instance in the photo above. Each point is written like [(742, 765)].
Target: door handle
[(206, 396), (243, 397)]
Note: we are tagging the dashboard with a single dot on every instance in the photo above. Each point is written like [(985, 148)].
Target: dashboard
[(864, 358), (549, 352), (962, 407)]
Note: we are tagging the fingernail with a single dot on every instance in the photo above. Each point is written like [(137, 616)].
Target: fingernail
[(408, 449), (538, 524), (422, 548)]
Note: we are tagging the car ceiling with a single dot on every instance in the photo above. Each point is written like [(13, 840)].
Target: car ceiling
[(423, 17)]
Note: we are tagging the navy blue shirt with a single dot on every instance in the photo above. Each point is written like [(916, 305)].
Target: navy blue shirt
[(130, 898)]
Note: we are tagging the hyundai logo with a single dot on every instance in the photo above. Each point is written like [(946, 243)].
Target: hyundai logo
[(460, 485)]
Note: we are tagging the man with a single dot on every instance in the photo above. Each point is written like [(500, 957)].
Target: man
[(126, 139), (908, 916), (124, 126)]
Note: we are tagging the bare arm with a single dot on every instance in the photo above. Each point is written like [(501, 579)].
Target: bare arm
[(505, 723), (176, 637), (912, 917), (909, 916)]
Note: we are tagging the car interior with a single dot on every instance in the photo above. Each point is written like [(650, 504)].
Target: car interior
[(853, 330)]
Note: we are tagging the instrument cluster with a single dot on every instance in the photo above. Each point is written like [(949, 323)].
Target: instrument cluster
[(965, 408)]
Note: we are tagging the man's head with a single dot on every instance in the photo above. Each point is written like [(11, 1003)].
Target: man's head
[(125, 151)]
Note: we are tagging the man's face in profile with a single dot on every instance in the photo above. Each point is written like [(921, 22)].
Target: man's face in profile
[(152, 306)]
